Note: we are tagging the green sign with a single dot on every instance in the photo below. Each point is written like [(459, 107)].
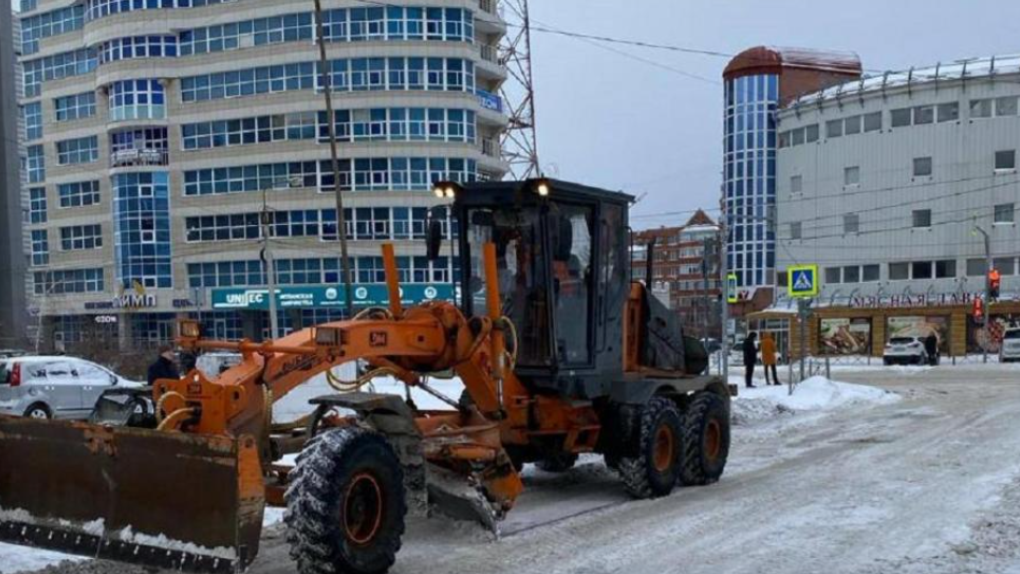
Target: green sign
[(325, 297)]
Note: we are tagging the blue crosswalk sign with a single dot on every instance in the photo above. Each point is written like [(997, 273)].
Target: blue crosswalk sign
[(802, 281)]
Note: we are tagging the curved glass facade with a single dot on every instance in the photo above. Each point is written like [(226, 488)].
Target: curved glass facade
[(99, 8), (138, 47), (750, 178), (141, 229), (137, 100)]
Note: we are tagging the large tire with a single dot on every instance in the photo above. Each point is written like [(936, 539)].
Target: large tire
[(706, 439), (346, 504), (655, 469), (561, 462)]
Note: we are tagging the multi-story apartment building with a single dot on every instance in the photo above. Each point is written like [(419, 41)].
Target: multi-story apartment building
[(158, 131), (13, 314), (683, 258)]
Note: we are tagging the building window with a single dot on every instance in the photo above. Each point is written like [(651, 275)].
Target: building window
[(40, 247), (833, 275), (56, 67), (81, 237), (872, 273), (811, 133), (795, 230), (949, 112), (834, 129), (141, 219), (32, 115), (851, 223), (852, 125), (945, 269), (797, 184), (54, 23), (899, 271), (139, 147), (924, 115), (77, 151), (901, 118), (921, 270), (137, 100), (68, 281), (1005, 213), (873, 122), (852, 274), (980, 108), (852, 175), (922, 218), (78, 194), (37, 205), (1005, 160), (922, 166), (1007, 106), (76, 107), (102, 8), (138, 47), (977, 267), (1006, 265), (36, 164)]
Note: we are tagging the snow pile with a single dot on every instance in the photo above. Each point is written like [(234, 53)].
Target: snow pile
[(816, 394), (161, 541)]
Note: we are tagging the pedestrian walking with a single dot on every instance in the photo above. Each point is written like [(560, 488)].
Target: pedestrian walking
[(768, 358), (931, 347), (750, 359)]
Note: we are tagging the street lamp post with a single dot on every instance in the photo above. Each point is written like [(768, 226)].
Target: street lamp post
[(988, 290)]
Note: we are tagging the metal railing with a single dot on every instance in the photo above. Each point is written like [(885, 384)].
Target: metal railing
[(490, 147), (489, 53), (490, 6), (139, 157)]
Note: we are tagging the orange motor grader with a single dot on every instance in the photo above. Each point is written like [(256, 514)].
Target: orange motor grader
[(559, 352)]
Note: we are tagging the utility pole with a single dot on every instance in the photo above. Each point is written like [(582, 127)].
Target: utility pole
[(266, 218), (724, 328), (988, 290), (704, 276), (341, 221)]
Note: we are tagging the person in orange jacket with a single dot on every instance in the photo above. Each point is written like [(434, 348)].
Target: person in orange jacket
[(768, 358)]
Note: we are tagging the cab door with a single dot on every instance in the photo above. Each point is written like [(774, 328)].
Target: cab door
[(571, 233)]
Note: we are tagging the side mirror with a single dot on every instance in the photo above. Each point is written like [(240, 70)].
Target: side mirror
[(113, 379), (434, 238)]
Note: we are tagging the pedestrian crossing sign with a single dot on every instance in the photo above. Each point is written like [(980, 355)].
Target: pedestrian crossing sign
[(802, 281)]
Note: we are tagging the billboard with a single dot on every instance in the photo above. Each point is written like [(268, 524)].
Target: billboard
[(325, 297), (919, 326), (845, 336)]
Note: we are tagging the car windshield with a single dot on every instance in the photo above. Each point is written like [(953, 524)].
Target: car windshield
[(1012, 335), (902, 340)]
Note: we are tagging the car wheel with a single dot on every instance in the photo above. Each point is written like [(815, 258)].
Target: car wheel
[(38, 411)]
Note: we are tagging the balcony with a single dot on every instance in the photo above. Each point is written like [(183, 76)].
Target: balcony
[(491, 148), (489, 53), (490, 6), (139, 158)]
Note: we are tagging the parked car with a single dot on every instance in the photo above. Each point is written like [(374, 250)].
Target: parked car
[(905, 351), (1010, 350), (54, 387)]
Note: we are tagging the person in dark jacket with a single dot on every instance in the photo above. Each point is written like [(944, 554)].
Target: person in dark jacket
[(931, 347), (164, 367), (750, 359)]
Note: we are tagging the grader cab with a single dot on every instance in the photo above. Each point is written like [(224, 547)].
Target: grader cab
[(559, 352)]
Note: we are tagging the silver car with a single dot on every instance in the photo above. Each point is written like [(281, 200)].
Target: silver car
[(53, 387), (1010, 351)]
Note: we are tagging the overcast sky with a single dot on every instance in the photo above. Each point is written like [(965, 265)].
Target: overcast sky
[(615, 122)]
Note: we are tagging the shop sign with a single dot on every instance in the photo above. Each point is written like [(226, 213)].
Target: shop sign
[(906, 301), (326, 297), (106, 319), (125, 301)]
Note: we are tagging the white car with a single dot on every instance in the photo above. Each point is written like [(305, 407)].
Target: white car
[(905, 351), (54, 387), (1010, 350)]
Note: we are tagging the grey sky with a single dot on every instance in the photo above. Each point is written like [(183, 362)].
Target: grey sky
[(611, 121)]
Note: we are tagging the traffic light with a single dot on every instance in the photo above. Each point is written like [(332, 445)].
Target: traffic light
[(979, 311), (994, 283)]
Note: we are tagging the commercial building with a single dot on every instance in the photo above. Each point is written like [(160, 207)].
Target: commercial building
[(159, 131), (891, 185), (758, 82), (686, 266), (13, 316)]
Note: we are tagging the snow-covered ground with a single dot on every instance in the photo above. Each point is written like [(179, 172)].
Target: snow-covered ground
[(844, 477)]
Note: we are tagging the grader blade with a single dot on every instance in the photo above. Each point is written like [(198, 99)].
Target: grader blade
[(157, 499), (454, 496)]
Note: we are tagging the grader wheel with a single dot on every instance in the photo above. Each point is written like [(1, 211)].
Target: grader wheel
[(656, 468), (346, 504), (706, 440)]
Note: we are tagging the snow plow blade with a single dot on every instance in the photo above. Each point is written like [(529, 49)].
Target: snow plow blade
[(158, 499)]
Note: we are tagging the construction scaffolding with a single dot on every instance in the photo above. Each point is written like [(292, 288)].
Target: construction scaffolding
[(520, 141)]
